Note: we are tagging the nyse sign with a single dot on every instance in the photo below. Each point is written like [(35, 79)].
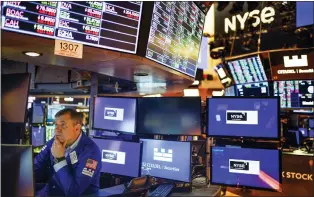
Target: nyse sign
[(266, 16)]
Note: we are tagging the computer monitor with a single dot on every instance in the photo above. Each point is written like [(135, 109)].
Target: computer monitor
[(167, 159), (17, 170), (253, 89), (248, 117), (38, 136), (295, 94), (230, 91), (169, 116), (51, 112), (304, 13), (119, 157), (115, 114), (245, 167), (38, 113), (247, 70)]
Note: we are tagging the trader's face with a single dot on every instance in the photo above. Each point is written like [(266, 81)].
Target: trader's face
[(66, 129)]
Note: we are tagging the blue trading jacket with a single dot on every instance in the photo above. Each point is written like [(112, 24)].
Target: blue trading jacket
[(78, 175)]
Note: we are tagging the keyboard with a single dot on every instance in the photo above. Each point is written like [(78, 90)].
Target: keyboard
[(162, 190)]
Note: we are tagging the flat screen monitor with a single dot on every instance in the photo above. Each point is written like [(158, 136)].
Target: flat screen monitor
[(14, 97), (115, 114), (253, 89), (167, 159), (119, 157), (295, 94), (223, 74), (230, 91), (17, 170), (109, 25), (169, 116), (38, 113), (249, 117), (52, 111), (247, 70), (246, 167), (304, 13), (38, 136), (175, 35)]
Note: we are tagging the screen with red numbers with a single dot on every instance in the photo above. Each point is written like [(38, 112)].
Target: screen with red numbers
[(110, 25)]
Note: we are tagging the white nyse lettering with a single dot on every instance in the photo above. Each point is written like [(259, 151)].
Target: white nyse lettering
[(267, 16)]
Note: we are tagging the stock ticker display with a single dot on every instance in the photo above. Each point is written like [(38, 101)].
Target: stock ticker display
[(247, 70), (110, 25), (294, 94), (175, 35)]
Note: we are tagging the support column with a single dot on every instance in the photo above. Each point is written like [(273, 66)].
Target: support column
[(93, 94)]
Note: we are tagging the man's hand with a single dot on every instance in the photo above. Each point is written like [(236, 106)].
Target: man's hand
[(58, 149)]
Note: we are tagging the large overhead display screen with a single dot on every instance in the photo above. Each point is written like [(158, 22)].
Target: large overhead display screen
[(175, 35), (109, 25)]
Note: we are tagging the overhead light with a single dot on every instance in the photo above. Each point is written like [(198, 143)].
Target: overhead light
[(32, 53), (142, 94)]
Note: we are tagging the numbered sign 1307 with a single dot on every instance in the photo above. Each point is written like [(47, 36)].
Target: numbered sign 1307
[(68, 49)]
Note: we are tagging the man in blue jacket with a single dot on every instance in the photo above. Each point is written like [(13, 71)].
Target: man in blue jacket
[(71, 159)]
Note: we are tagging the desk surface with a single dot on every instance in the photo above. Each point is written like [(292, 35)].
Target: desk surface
[(204, 191)]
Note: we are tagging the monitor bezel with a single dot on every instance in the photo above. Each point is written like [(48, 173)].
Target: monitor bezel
[(140, 155), (176, 97), (116, 131), (190, 173), (244, 137), (31, 136), (243, 186)]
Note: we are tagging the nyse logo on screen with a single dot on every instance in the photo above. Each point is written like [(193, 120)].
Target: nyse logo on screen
[(162, 155), (244, 166), (241, 117), (116, 157), (114, 114)]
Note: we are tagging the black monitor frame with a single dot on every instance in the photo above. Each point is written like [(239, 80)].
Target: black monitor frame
[(177, 97), (116, 131), (245, 137), (243, 186), (140, 159), (190, 162)]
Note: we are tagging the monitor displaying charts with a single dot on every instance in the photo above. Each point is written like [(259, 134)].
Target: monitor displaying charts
[(111, 25), (248, 117), (175, 35), (115, 114), (119, 157), (246, 167), (52, 111), (38, 113), (247, 70), (167, 159), (295, 94)]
